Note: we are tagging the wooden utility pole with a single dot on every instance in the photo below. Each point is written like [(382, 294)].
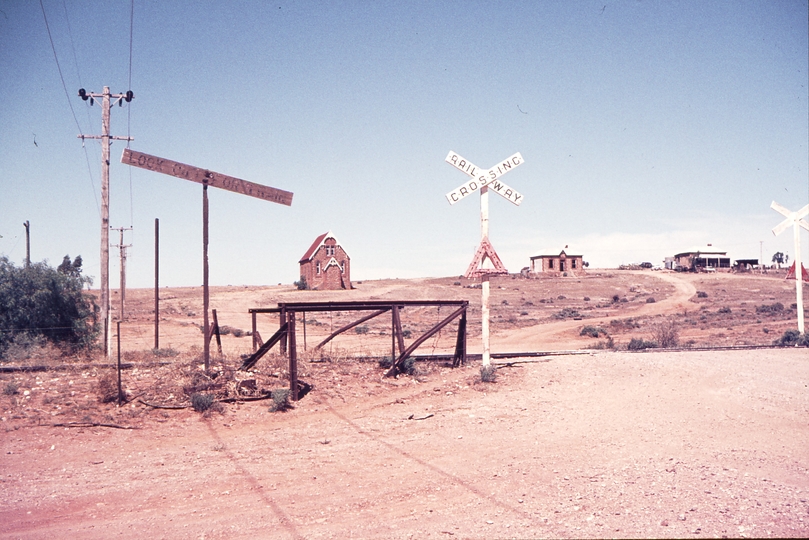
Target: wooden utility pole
[(27, 244), (106, 105), (122, 257), (156, 284)]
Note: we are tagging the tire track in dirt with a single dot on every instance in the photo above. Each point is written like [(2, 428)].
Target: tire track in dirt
[(449, 476), (282, 516)]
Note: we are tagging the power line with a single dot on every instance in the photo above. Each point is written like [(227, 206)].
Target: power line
[(58, 67), (67, 95)]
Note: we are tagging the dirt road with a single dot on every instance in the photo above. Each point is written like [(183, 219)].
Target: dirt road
[(548, 336), (613, 444)]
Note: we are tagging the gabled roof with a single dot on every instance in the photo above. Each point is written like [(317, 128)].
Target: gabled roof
[(545, 253), (316, 244)]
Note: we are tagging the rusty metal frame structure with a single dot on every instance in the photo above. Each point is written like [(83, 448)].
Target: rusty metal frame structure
[(285, 335)]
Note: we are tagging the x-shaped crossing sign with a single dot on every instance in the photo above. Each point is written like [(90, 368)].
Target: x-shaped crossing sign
[(484, 177), (792, 218)]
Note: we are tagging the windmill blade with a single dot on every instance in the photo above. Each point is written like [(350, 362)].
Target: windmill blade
[(781, 227), (780, 209)]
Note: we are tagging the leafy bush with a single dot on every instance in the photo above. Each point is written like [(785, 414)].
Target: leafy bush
[(280, 400), (43, 301), (488, 374), (592, 331), (650, 300), (637, 344), (361, 329), (409, 366), (11, 388), (567, 313), (201, 402), (724, 309), (165, 353), (792, 338), (301, 285), (702, 294), (406, 334), (777, 307)]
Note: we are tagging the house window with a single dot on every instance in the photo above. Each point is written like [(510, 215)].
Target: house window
[(342, 267), (317, 267), (329, 251), (573, 263), (550, 264)]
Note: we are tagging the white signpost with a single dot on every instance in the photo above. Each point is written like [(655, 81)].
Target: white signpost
[(794, 219), (483, 180)]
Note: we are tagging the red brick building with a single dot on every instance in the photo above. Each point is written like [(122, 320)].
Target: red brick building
[(557, 263), (326, 265)]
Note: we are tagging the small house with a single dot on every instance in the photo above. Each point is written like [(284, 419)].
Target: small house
[(702, 259), (326, 265), (557, 263)]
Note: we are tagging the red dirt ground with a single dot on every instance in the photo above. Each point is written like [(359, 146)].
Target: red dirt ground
[(601, 444)]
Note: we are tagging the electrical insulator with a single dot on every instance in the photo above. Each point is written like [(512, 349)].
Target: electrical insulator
[(83, 94), (129, 96)]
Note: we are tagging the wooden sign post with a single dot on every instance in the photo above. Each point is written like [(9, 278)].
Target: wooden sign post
[(794, 219), (482, 180), (206, 178)]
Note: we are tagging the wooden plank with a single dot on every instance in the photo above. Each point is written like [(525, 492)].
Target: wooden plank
[(204, 176)]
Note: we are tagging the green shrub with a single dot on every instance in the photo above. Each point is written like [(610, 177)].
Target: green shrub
[(792, 338), (702, 294), (409, 366), (47, 302), (567, 313), (650, 300), (11, 388), (488, 374), (301, 285), (201, 402), (592, 331), (637, 344), (165, 353), (777, 307), (361, 329), (280, 400)]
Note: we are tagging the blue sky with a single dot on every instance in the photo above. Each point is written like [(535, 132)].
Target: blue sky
[(647, 128)]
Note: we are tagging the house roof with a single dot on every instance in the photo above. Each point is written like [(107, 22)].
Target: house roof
[(553, 253), (316, 244), (708, 250)]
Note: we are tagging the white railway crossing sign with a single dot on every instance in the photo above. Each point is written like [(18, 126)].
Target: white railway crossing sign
[(482, 182), (796, 220), (484, 177)]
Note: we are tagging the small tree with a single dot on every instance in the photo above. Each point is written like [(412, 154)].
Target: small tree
[(40, 301), (778, 258), (301, 285)]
